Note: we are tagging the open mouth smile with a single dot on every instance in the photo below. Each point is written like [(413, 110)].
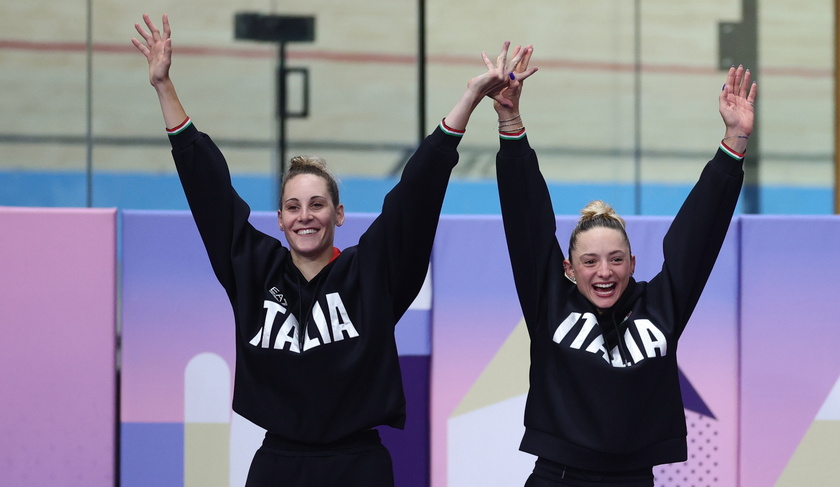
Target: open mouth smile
[(606, 289)]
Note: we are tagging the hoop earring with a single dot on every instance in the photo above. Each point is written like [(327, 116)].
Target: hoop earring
[(570, 278)]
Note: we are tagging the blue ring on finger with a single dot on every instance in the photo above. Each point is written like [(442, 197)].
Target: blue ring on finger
[(512, 76)]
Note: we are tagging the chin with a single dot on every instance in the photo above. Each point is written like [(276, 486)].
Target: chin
[(602, 303)]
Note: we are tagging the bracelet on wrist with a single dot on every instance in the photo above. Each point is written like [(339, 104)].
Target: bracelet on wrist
[(736, 137)]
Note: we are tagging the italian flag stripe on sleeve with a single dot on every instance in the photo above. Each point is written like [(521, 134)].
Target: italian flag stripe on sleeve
[(179, 128), (450, 131), (512, 135), (732, 153)]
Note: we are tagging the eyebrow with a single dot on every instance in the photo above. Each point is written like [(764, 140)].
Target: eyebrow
[(314, 197), (614, 252)]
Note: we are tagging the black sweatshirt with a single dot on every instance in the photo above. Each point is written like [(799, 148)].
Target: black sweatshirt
[(604, 388), (346, 376)]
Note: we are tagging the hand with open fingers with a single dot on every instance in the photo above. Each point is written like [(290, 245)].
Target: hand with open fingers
[(157, 47), (498, 74), (737, 102), (507, 100)]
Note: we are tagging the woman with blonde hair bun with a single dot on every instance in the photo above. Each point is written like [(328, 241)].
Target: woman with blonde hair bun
[(604, 405)]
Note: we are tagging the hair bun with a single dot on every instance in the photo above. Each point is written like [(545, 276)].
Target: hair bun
[(300, 161), (597, 214), (599, 209)]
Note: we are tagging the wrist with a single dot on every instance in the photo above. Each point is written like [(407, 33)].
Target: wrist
[(165, 90), (510, 117), (504, 113), (735, 143), (161, 83), (735, 132), (510, 123)]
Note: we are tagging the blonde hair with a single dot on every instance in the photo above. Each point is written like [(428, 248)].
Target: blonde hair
[(310, 165), (597, 214)]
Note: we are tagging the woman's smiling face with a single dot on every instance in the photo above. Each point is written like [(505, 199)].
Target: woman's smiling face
[(308, 216), (601, 265)]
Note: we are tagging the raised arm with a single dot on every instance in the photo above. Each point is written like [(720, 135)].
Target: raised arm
[(157, 47), (527, 212), (219, 213), (694, 240)]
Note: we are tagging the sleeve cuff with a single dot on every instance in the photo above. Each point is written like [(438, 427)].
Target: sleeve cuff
[(180, 127), (183, 135), (514, 146), (728, 150), (443, 138), (512, 135), (449, 130)]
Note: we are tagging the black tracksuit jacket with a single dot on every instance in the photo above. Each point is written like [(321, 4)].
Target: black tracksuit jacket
[(343, 375)]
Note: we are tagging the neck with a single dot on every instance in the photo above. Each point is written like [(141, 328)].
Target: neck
[(311, 266)]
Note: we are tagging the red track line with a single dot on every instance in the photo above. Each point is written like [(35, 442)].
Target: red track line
[(383, 58)]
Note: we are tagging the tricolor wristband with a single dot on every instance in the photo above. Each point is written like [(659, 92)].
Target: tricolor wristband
[(512, 135), (449, 130), (735, 155), (179, 128)]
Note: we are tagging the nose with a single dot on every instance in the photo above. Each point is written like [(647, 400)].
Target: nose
[(604, 270), (304, 214)]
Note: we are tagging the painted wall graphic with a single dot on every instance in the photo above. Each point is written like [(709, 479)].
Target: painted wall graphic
[(761, 376), (57, 346), (479, 332), (178, 360), (790, 421), (815, 459)]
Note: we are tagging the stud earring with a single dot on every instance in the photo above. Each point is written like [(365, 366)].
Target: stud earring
[(570, 278)]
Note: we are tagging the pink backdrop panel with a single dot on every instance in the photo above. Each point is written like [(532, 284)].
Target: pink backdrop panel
[(57, 343), (789, 339)]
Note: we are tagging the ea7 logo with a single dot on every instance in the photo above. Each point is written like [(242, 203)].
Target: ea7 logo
[(278, 296), (576, 332), (331, 327)]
